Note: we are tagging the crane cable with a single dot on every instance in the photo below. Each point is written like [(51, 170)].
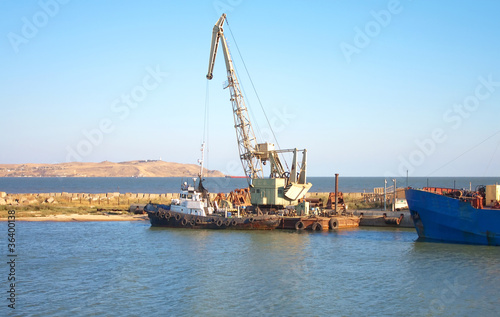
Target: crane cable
[(491, 159), (247, 103), (467, 151), (255, 90)]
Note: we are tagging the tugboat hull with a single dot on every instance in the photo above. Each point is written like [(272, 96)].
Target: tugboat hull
[(162, 216)]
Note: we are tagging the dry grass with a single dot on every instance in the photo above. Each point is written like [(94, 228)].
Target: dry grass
[(67, 206), (42, 211)]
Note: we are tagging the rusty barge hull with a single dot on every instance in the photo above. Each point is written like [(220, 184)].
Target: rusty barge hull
[(160, 217), (319, 223), (171, 219)]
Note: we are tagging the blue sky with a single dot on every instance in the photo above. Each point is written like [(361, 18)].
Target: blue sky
[(369, 88)]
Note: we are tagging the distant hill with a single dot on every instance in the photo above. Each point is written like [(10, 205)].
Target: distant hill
[(148, 168)]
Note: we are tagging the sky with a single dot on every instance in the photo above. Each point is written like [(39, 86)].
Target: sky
[(369, 88)]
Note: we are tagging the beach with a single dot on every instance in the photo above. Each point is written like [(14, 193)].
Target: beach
[(84, 218)]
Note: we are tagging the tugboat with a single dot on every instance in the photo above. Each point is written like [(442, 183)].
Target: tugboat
[(195, 210), (456, 216)]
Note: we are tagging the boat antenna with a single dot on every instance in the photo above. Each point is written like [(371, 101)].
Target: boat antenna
[(201, 188), (200, 161)]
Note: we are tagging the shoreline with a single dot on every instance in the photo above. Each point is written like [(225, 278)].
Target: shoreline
[(81, 218)]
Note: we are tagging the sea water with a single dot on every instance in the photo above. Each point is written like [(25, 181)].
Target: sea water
[(159, 185), (132, 269), (129, 268)]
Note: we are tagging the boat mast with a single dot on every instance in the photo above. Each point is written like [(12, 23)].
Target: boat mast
[(200, 161), (201, 188)]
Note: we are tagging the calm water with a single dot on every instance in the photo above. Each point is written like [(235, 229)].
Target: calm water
[(131, 269), (159, 185)]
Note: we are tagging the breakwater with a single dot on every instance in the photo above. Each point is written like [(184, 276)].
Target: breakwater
[(159, 185), (68, 198), (117, 198)]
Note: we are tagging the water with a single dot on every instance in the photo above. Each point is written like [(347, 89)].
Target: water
[(129, 268), (159, 185)]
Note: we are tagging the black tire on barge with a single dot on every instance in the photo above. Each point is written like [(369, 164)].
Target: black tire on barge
[(299, 225)]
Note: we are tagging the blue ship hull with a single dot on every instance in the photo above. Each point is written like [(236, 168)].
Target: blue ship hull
[(441, 218)]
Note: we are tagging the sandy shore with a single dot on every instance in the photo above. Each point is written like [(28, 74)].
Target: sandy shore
[(69, 218)]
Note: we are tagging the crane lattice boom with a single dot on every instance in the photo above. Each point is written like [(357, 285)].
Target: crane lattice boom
[(247, 143)]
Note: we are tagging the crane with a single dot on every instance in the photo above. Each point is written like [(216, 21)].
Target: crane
[(283, 187)]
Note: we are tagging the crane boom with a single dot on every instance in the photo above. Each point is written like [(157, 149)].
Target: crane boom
[(247, 143)]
